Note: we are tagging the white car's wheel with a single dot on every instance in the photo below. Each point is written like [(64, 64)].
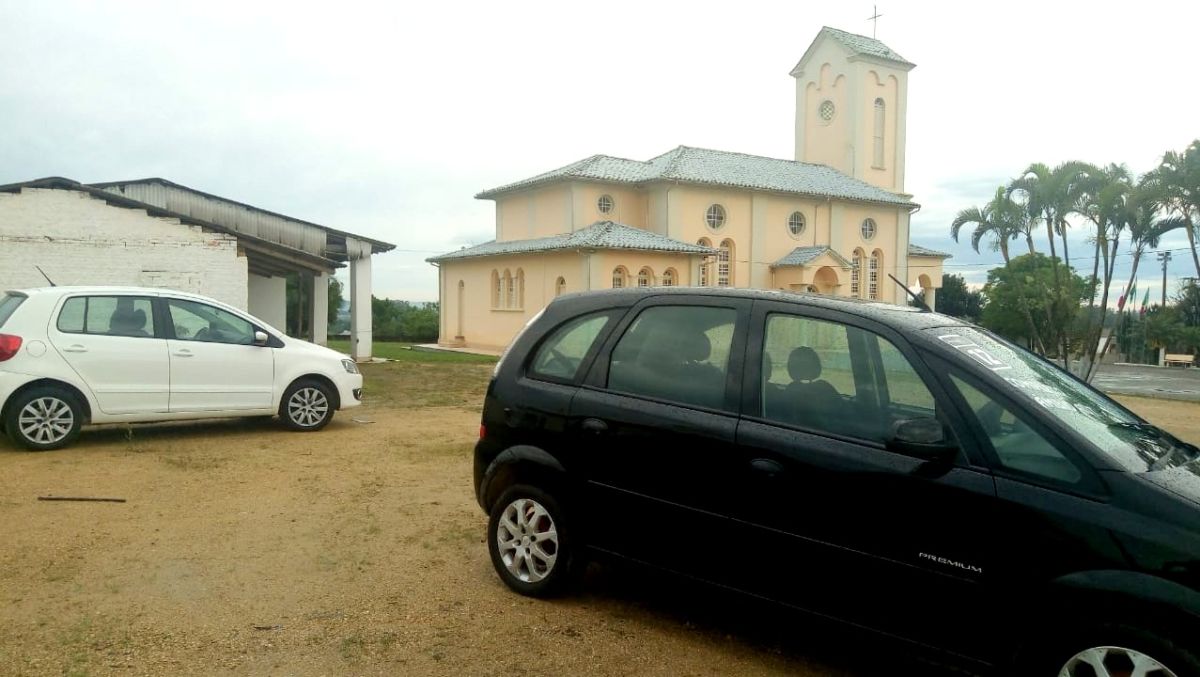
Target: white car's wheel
[(43, 418), (307, 405)]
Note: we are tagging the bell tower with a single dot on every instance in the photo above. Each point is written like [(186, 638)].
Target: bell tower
[(851, 104)]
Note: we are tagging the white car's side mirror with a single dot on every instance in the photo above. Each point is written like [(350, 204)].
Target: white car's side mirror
[(261, 338)]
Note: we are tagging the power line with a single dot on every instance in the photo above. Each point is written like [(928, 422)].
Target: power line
[(1089, 259)]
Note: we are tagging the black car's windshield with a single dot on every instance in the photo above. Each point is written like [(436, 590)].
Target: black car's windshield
[(1134, 444), (8, 305)]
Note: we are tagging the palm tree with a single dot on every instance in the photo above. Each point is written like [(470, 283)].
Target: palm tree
[(1050, 196), (1001, 219), (1176, 183), (1105, 201)]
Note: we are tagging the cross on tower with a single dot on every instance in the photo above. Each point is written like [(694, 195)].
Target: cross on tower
[(874, 19)]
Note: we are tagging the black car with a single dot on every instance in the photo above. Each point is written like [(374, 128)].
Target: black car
[(885, 466)]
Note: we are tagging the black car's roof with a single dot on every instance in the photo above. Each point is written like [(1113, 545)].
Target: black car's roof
[(895, 316)]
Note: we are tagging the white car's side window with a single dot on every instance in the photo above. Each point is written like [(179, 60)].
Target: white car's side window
[(107, 315), (201, 322)]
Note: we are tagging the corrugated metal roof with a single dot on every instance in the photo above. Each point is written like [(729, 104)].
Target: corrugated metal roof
[(599, 235), (918, 250), (802, 256), (717, 168)]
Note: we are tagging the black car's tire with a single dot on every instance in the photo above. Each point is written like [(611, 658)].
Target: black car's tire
[(307, 405), (44, 418), (1117, 646), (529, 540)]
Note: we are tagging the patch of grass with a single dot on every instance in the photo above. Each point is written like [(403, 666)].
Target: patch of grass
[(405, 352), (408, 384)]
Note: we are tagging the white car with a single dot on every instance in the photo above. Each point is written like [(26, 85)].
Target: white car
[(76, 355)]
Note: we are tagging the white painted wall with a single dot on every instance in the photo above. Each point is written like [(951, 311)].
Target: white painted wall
[(268, 299), (78, 239)]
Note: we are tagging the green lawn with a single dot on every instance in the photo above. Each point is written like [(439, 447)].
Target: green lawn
[(404, 352)]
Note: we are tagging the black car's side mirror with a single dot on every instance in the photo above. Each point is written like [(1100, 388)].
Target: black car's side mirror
[(923, 438)]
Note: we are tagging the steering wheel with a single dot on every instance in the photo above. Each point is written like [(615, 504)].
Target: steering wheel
[(201, 335)]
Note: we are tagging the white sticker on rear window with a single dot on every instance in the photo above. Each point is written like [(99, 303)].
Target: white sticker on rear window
[(975, 351)]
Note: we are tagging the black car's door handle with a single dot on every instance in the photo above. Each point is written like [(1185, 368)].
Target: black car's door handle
[(766, 467), (594, 426)]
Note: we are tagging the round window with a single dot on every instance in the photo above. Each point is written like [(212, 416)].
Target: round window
[(715, 216), (868, 229), (796, 224), (605, 204), (826, 110)]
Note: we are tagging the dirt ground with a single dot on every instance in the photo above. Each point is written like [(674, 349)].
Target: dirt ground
[(244, 549)]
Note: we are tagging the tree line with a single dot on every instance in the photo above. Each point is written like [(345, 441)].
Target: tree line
[(1040, 299)]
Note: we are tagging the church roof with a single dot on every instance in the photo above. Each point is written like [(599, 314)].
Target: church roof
[(862, 45), (802, 256), (716, 168), (918, 250), (599, 235)]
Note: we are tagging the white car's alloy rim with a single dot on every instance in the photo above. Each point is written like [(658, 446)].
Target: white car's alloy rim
[(46, 420), (528, 540), (308, 407), (1113, 661)]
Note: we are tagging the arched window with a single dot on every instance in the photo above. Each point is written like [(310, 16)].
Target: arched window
[(668, 277), (856, 273), (519, 295), (705, 264), (497, 290), (645, 277), (725, 264), (509, 284), (560, 286), (873, 275), (619, 275), (880, 114)]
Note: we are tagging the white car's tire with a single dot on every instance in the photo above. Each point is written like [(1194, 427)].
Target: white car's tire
[(307, 405)]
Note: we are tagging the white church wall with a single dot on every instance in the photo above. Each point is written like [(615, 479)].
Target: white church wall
[(81, 240)]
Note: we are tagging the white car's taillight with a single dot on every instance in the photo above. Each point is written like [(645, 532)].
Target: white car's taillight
[(9, 345)]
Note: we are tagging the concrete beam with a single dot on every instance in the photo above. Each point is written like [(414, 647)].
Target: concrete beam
[(320, 309)]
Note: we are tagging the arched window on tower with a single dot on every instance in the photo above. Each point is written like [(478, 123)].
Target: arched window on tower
[(725, 264), (705, 264), (668, 278), (619, 275), (509, 283), (873, 275), (560, 286), (880, 116), (856, 273), (645, 277)]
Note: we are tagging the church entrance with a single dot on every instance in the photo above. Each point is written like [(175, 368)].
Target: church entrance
[(825, 281)]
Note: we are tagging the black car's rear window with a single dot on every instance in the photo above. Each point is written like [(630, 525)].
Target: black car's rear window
[(8, 305)]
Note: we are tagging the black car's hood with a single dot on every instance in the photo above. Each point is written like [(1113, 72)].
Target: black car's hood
[(1181, 480)]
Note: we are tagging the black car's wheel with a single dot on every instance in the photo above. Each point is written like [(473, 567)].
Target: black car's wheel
[(307, 405), (529, 541), (1111, 650), (44, 418)]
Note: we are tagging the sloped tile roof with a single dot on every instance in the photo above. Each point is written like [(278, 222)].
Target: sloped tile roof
[(802, 256), (861, 44), (918, 250), (717, 168), (599, 235)]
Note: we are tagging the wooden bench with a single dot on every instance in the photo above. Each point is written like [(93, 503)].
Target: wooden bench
[(1180, 360)]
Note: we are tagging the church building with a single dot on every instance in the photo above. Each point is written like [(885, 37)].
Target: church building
[(833, 221)]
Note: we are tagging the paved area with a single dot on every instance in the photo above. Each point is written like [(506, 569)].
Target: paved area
[(1172, 383)]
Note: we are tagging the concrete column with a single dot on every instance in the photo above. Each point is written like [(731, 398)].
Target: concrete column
[(320, 309), (360, 299), (758, 242), (931, 298)]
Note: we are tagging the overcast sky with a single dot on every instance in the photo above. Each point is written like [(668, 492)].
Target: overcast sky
[(385, 119)]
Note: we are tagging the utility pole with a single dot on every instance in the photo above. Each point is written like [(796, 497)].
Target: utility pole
[(1165, 257)]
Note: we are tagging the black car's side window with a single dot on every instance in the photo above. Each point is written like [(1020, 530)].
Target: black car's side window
[(675, 353), (560, 356), (107, 315), (1017, 446), (839, 379)]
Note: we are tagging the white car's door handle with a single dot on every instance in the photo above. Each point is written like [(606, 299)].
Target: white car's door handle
[(76, 348), (182, 353)]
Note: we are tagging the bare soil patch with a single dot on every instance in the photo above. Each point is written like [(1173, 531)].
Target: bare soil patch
[(245, 549)]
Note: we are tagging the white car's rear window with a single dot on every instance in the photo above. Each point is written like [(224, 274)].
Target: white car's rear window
[(8, 306)]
